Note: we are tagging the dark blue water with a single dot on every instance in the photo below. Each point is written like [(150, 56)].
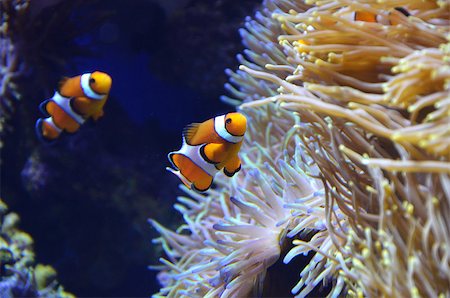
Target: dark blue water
[(87, 208)]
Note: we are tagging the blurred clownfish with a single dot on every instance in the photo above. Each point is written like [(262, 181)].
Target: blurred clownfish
[(78, 99), (391, 19), (207, 148)]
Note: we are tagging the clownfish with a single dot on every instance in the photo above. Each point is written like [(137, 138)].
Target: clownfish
[(76, 100), (391, 19), (209, 147)]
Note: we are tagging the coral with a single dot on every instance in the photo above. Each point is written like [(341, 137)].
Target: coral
[(11, 67), (384, 134), (349, 139), (18, 275), (242, 225)]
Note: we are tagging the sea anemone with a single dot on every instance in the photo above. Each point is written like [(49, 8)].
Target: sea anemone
[(234, 233), (11, 67), (349, 138)]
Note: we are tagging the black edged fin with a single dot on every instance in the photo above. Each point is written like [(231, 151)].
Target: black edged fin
[(40, 136), (170, 157), (189, 132), (43, 107), (38, 129), (231, 174), (200, 190)]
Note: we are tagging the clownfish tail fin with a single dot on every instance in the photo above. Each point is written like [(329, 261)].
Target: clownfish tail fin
[(189, 132), (46, 130)]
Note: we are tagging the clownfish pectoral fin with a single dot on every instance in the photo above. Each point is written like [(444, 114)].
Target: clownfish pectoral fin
[(213, 153), (189, 132), (232, 166), (46, 130)]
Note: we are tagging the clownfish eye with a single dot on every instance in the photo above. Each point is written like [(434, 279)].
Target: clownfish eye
[(91, 81), (228, 121)]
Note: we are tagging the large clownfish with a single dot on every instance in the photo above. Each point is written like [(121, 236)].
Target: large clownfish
[(207, 148), (78, 99)]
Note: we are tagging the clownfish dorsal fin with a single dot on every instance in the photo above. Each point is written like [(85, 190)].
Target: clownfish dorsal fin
[(62, 82), (189, 132)]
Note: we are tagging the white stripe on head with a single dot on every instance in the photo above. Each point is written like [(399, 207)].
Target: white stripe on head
[(87, 88), (219, 127)]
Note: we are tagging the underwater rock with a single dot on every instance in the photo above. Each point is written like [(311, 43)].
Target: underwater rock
[(12, 67)]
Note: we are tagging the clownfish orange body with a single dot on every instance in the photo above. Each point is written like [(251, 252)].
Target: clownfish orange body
[(209, 147), (78, 99)]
